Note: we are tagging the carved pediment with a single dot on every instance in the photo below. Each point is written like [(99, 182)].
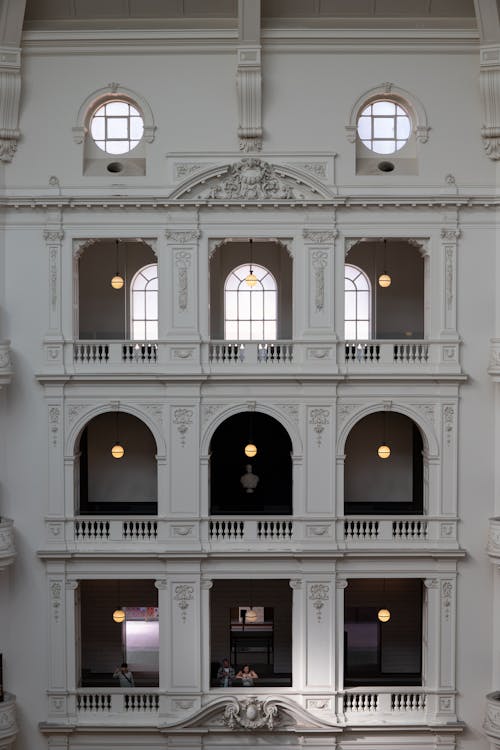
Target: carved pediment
[(253, 714), (250, 180)]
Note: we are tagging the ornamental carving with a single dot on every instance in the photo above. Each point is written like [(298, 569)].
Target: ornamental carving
[(252, 179), (56, 595), (5, 363), (155, 411), (249, 145), (183, 594), (8, 148), (74, 412), (250, 713), (316, 168), (210, 410), (319, 261), (183, 262), (183, 237), (446, 599), (427, 410), (448, 423), (184, 169), (449, 277), (318, 595), (53, 263), (54, 414), (291, 410), (319, 237), (183, 418), (319, 418)]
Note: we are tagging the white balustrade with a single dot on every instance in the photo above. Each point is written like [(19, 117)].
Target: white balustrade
[(396, 705), (251, 352), (116, 705), (392, 355), (7, 547), (394, 531)]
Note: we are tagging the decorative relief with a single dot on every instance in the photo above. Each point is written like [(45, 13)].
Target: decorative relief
[(183, 418), (58, 704), (427, 410), (80, 245), (431, 583), (206, 584), (349, 243), (494, 537), (74, 412), (319, 352), (7, 720), (249, 145), (448, 413), (447, 530), (183, 237), (341, 583), (318, 595), (210, 410), (250, 713), (182, 530), (492, 720), (316, 168), (5, 363), (56, 596), (295, 584), (446, 598), (54, 414), (183, 594), (7, 149), (182, 353), (450, 235), (253, 179), (318, 704), (184, 169), (319, 262), (319, 418), (317, 530), (449, 277), (446, 703), (291, 411), (182, 704), (318, 237), (155, 411), (161, 584), (53, 236), (53, 258), (183, 262)]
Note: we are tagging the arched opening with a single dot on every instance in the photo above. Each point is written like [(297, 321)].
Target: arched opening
[(378, 485), (117, 486), (259, 484), (250, 304), (397, 305), (238, 256), (104, 311), (358, 303)]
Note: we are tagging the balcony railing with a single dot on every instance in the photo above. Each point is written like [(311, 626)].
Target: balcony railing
[(7, 548), (253, 533), (8, 724), (395, 706), (262, 358)]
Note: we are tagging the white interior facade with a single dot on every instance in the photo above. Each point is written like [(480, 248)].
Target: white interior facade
[(297, 203)]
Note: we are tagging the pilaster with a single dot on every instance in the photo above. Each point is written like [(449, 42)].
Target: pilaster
[(180, 281)]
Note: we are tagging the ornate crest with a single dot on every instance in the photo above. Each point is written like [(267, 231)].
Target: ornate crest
[(251, 713)]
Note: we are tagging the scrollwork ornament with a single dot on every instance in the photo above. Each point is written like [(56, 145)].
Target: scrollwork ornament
[(318, 595), (54, 414), (183, 594), (8, 147), (344, 411), (319, 262), (319, 237), (183, 418), (319, 418), (183, 262), (56, 597), (210, 410), (446, 598), (253, 179), (250, 713), (448, 413), (183, 237)]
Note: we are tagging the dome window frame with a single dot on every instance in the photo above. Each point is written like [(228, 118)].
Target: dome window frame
[(95, 160), (403, 160)]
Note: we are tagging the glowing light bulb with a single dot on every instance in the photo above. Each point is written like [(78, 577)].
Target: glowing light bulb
[(383, 451), (384, 615), (117, 451), (117, 281), (250, 450), (384, 280)]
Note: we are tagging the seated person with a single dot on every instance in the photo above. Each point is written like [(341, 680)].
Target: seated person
[(225, 675), (247, 675)]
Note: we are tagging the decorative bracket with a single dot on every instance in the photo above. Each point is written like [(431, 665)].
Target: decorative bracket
[(10, 94), (249, 88), (489, 85)]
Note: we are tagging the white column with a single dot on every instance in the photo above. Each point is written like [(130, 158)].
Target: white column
[(340, 586), (320, 633), (449, 240), (298, 634), (184, 453), (320, 469), (182, 291), (53, 340), (183, 653)]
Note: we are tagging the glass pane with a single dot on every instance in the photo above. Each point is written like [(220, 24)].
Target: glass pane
[(383, 108), (139, 308), (140, 282), (231, 305), (364, 127), (151, 305), (117, 147), (363, 330), (117, 108), (363, 305), (97, 128), (117, 127), (268, 282), (403, 128), (270, 331), (152, 330), (384, 147), (383, 127), (244, 305), (350, 306), (270, 305), (153, 285), (231, 330), (232, 281), (350, 330), (350, 272), (361, 282), (257, 330), (244, 329), (138, 330), (136, 128), (257, 305)]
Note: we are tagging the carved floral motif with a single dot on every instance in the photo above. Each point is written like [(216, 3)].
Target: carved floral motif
[(250, 713), (183, 418), (318, 595), (448, 422), (54, 414), (183, 237), (183, 594), (183, 262), (56, 595), (319, 418), (446, 598), (319, 262)]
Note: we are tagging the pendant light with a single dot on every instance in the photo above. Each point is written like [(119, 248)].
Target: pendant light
[(119, 615), (117, 451), (384, 280), (384, 614), (251, 278), (384, 450), (250, 447), (117, 281)]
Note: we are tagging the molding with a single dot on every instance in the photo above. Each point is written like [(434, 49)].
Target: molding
[(100, 96)]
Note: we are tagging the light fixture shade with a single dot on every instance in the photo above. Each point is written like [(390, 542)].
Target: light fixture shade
[(251, 616), (384, 615), (117, 451), (383, 451), (117, 281), (119, 615), (250, 450), (384, 280), (251, 279)]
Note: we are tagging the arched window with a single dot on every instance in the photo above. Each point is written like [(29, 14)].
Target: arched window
[(144, 304), (357, 304), (116, 126), (250, 310)]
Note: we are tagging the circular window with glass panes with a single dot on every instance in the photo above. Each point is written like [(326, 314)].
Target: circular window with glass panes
[(116, 127), (384, 127)]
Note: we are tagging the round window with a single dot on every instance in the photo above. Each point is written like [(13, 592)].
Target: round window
[(384, 127), (116, 127)]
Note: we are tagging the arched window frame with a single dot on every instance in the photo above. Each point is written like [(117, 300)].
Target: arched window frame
[(135, 320), (259, 328), (362, 326)]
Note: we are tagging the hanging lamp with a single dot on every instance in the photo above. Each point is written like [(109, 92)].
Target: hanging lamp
[(384, 614), (117, 281), (117, 451), (384, 280), (250, 448), (251, 278), (119, 615), (384, 450)]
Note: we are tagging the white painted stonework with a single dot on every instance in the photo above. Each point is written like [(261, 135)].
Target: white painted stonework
[(245, 112)]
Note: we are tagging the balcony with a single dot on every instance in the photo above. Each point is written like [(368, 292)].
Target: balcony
[(252, 535), (352, 359), (8, 725), (7, 548)]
